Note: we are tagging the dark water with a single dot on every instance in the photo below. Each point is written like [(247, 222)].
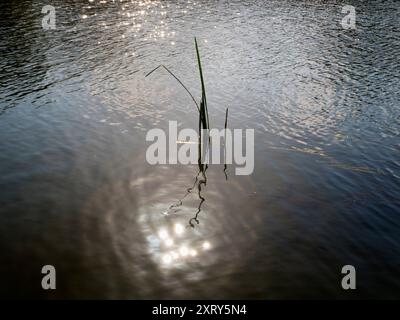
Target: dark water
[(77, 192)]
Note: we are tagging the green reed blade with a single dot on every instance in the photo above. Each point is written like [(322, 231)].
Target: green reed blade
[(226, 118), (203, 88)]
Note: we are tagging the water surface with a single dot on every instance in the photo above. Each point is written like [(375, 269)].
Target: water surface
[(77, 192)]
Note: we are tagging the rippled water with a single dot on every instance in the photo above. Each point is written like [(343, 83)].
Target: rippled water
[(77, 193)]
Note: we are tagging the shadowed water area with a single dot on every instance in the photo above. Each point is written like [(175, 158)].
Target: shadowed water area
[(76, 191)]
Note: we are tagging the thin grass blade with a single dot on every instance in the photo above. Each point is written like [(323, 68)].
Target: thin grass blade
[(177, 79)]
